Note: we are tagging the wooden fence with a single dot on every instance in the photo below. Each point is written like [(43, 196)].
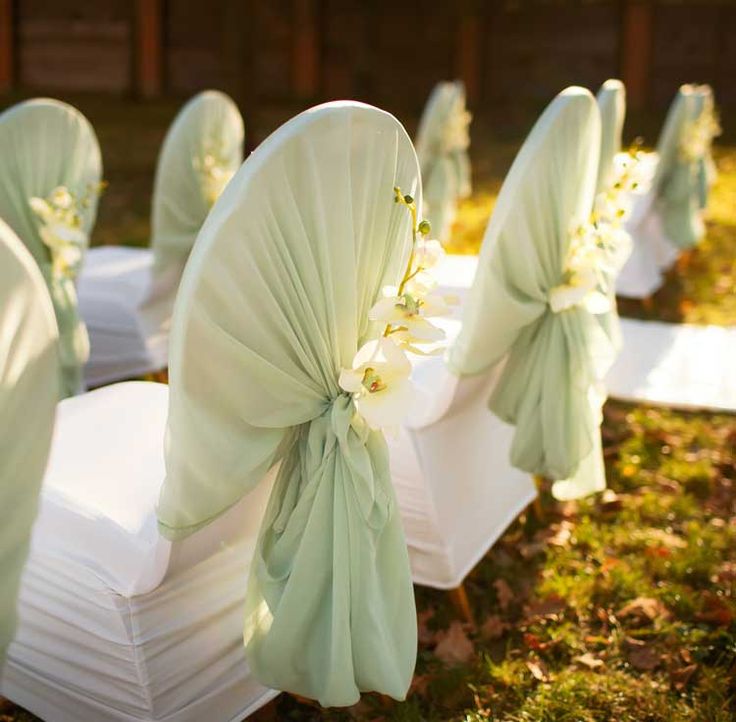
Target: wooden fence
[(509, 52)]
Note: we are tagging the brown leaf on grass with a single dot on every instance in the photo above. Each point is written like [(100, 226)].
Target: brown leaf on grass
[(454, 647), (494, 627), (641, 656), (558, 535), (682, 676), (666, 538), (611, 501), (550, 608), (538, 669), (529, 550), (419, 684), (425, 635), (568, 509), (644, 610), (504, 593), (726, 572), (589, 661), (716, 610)]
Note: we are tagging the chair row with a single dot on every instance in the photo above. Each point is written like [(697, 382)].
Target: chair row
[(156, 500)]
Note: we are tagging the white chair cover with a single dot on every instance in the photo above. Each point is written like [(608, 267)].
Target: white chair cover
[(126, 295), (442, 148), (553, 362), (273, 304), (45, 144), (28, 395), (117, 623)]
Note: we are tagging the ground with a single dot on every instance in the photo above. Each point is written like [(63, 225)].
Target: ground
[(618, 608)]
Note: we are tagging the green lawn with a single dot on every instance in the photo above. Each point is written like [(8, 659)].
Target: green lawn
[(618, 608)]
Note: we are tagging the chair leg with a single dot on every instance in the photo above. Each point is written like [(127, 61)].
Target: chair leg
[(683, 261), (461, 604), (537, 503)]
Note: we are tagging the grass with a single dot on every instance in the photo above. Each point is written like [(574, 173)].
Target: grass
[(617, 608)]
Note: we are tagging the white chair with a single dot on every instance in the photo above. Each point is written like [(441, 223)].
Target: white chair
[(28, 395), (442, 149), (126, 295), (49, 146), (119, 624), (665, 217), (457, 486)]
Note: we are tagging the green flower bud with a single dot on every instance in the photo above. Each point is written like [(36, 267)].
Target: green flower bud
[(425, 228), (408, 200)]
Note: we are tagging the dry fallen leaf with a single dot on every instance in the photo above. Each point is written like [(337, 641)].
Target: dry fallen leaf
[(716, 610), (589, 661), (504, 593), (641, 656), (538, 669), (425, 635), (682, 676), (493, 627), (454, 647), (644, 610), (549, 608)]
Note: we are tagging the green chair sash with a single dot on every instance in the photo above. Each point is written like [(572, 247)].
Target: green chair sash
[(443, 155), (553, 363), (273, 304), (201, 151), (45, 144), (28, 395)]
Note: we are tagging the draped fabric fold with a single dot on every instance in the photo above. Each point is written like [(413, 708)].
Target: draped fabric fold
[(202, 151), (553, 363), (611, 100), (442, 149), (707, 172), (677, 179), (46, 144), (273, 304), (28, 395)]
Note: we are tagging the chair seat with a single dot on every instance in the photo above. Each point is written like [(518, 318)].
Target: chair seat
[(454, 506), (103, 478), (128, 333), (118, 624)]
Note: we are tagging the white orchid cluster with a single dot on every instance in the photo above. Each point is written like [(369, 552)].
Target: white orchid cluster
[(456, 131), (598, 247), (214, 173), (697, 137), (379, 380), (61, 228)]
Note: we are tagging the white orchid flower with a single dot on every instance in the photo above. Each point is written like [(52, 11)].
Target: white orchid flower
[(379, 383), (41, 208), (582, 290), (60, 197), (428, 254)]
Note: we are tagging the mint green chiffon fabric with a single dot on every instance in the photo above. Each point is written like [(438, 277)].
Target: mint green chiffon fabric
[(445, 164), (273, 303), (677, 180), (611, 100), (209, 124), (707, 172), (44, 144), (552, 363), (28, 395)]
